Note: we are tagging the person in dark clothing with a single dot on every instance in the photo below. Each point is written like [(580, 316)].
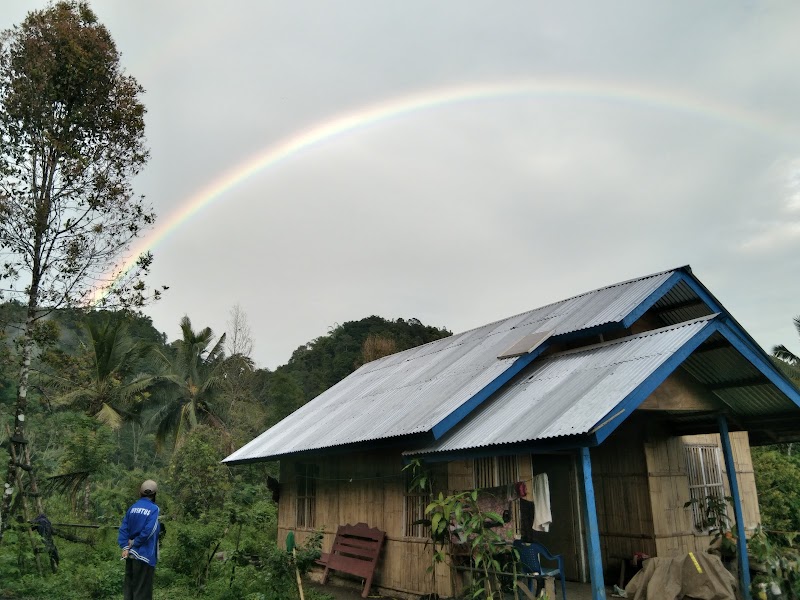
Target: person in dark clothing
[(138, 538)]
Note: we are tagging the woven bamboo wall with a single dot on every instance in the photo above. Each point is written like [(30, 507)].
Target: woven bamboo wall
[(365, 488), (669, 483), (624, 510)]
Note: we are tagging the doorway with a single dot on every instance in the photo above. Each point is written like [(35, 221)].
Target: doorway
[(565, 534)]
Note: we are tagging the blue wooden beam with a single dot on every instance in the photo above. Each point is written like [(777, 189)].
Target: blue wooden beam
[(459, 414), (592, 530), (760, 361), (742, 558), (648, 302), (625, 408)]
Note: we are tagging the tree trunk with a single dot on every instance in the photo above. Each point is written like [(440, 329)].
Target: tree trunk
[(86, 503), (18, 440)]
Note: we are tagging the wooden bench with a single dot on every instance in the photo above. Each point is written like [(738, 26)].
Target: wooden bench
[(355, 551)]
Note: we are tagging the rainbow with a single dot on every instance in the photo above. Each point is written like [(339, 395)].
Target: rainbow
[(353, 121)]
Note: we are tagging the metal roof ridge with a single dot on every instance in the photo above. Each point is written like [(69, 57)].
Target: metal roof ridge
[(449, 421), (634, 336), (685, 268)]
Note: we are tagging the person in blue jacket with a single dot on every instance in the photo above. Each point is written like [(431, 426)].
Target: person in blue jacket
[(138, 538)]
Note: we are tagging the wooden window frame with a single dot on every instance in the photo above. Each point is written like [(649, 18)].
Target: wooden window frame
[(414, 504), (704, 474), (492, 471), (488, 472)]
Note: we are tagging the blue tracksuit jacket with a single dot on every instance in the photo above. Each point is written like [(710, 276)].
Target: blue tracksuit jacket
[(141, 525)]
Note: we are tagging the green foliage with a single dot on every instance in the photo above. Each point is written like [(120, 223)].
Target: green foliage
[(190, 375), (107, 388), (199, 480), (285, 396), (318, 365), (221, 522), (190, 551), (457, 520), (777, 560), (777, 474), (719, 524)]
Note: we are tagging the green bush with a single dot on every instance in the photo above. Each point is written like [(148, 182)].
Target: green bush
[(777, 476), (199, 482)]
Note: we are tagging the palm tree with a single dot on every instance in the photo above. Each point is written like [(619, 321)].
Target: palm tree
[(190, 376), (107, 391), (789, 362)]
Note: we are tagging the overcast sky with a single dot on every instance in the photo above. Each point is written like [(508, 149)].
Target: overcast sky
[(499, 156)]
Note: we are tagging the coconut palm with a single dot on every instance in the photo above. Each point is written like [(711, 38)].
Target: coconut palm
[(789, 361), (189, 377), (107, 390)]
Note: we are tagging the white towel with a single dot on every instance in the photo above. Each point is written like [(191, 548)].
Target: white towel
[(541, 503)]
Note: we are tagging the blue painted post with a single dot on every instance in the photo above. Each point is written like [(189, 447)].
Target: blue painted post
[(742, 559), (592, 531)]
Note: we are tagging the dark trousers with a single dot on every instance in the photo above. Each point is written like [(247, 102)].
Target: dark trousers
[(138, 580)]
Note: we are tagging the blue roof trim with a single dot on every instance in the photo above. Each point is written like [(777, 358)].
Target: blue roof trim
[(703, 293), (624, 409), (463, 411), (759, 360), (732, 330), (648, 302)]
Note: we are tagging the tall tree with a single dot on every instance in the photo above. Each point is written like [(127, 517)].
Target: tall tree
[(72, 130), (190, 377), (240, 339)]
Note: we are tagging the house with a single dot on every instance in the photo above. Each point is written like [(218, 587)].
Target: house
[(633, 399)]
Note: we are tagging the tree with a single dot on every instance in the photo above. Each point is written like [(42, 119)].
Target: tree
[(283, 396), (107, 390), (239, 366), (377, 346), (190, 377), (789, 361), (240, 340), (72, 130)]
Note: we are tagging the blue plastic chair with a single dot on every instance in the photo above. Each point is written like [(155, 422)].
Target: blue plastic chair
[(530, 557)]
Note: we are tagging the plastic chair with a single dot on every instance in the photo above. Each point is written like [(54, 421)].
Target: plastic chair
[(530, 556)]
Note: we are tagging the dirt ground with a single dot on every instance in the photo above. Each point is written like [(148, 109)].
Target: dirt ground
[(575, 591), (338, 592)]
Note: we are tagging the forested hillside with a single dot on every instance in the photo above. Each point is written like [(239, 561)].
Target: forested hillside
[(113, 402)]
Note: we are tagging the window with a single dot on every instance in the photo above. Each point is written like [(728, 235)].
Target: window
[(495, 471), (705, 479), (306, 479), (415, 503)]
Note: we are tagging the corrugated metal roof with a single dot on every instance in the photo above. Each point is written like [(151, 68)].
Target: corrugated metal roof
[(411, 392), (737, 382), (568, 393)]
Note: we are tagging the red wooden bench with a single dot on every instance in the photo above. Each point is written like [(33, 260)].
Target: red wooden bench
[(355, 550)]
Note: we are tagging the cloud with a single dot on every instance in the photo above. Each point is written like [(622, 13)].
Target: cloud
[(470, 212)]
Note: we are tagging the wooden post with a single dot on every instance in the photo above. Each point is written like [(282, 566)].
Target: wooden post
[(592, 530), (741, 551)]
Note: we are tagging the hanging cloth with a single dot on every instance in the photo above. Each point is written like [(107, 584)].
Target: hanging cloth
[(541, 503)]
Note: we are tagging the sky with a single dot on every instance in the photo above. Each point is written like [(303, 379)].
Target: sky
[(460, 162)]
